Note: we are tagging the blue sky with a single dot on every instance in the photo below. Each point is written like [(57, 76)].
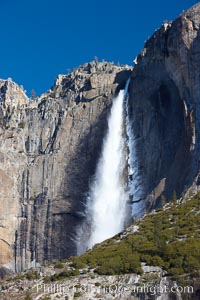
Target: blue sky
[(42, 38)]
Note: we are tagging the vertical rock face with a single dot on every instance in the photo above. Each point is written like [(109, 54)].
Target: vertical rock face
[(164, 109), (11, 93), (48, 152)]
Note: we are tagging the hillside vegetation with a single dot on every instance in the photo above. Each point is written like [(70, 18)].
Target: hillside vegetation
[(169, 238)]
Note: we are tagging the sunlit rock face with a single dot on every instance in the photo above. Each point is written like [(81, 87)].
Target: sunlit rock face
[(164, 108), (11, 93), (49, 148)]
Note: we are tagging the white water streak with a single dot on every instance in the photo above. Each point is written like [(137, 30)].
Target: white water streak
[(108, 199)]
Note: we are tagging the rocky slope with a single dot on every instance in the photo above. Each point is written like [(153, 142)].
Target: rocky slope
[(164, 108), (48, 153)]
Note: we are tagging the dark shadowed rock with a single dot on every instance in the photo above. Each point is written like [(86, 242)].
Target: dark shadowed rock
[(164, 107), (5, 272)]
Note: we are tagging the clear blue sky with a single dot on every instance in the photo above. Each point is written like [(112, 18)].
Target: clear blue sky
[(42, 38)]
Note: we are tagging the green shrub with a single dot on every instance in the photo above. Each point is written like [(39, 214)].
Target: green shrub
[(156, 261), (97, 284), (32, 275), (146, 258), (46, 298), (47, 279), (59, 265), (176, 271), (62, 275), (21, 125), (77, 294), (28, 296), (77, 263)]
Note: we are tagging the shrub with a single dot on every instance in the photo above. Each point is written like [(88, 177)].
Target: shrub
[(157, 261), (62, 275), (176, 271), (59, 265), (146, 258), (47, 279), (46, 298), (77, 294), (97, 283), (21, 125), (28, 297), (78, 264), (32, 275)]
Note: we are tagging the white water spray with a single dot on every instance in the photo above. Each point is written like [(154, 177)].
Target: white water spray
[(107, 202)]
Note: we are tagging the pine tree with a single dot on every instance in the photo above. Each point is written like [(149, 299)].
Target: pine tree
[(163, 201), (33, 94), (174, 198), (96, 59)]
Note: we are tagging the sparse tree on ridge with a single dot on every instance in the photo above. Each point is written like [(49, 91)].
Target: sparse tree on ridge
[(96, 59), (33, 94)]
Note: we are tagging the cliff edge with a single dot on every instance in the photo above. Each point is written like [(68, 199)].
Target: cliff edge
[(164, 109), (48, 152)]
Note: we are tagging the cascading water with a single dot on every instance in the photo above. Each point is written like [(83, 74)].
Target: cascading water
[(106, 209)]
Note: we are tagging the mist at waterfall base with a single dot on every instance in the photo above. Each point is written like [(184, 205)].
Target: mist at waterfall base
[(108, 209)]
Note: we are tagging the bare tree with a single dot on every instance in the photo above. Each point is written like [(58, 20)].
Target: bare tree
[(96, 59)]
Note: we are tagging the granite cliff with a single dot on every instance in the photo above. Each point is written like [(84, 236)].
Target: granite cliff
[(48, 152), (49, 146), (164, 108)]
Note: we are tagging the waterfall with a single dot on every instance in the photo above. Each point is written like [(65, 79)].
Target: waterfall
[(106, 210)]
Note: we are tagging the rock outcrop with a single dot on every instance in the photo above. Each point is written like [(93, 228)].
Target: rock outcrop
[(11, 93), (164, 109), (48, 152)]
